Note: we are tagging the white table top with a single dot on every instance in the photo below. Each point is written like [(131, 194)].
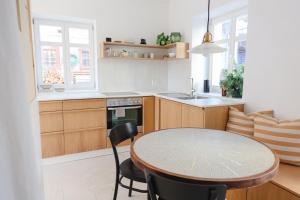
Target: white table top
[(204, 154)]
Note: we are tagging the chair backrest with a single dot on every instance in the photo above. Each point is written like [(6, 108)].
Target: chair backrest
[(122, 132), (119, 134), (169, 189)]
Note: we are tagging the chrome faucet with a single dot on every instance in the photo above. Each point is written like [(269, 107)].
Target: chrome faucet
[(193, 90)]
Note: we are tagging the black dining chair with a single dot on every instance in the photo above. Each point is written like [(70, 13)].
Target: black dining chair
[(127, 168), (171, 189)]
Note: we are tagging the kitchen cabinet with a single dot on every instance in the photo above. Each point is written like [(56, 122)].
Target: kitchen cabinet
[(170, 114), (52, 144), (51, 126), (148, 114), (84, 140), (178, 115), (72, 126), (51, 121), (84, 125), (192, 117)]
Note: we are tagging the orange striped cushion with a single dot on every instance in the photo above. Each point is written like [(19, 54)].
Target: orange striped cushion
[(242, 123), (281, 136)]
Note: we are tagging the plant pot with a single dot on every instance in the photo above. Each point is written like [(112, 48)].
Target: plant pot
[(224, 92)]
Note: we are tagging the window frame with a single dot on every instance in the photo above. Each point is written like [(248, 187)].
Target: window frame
[(65, 23), (231, 41)]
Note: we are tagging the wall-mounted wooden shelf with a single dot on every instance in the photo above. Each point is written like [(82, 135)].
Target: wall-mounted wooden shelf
[(180, 49)]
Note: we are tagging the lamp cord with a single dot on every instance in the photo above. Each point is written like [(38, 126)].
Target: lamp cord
[(208, 17)]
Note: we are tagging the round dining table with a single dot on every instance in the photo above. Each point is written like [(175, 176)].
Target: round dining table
[(206, 156)]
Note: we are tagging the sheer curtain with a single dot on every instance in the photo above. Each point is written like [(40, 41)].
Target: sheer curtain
[(20, 169)]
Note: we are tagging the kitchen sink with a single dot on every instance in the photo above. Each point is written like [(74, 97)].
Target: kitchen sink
[(190, 97), (182, 96), (174, 94)]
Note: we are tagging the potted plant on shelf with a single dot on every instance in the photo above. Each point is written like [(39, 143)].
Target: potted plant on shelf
[(233, 83)]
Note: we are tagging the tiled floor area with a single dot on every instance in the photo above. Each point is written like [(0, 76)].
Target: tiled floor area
[(87, 179)]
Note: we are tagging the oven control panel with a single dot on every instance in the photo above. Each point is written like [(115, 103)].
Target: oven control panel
[(124, 101)]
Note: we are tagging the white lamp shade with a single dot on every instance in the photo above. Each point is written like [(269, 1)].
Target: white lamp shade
[(207, 48)]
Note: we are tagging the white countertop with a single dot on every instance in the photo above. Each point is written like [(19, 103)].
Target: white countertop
[(210, 101)]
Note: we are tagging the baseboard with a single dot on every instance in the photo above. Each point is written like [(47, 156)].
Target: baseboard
[(84, 155)]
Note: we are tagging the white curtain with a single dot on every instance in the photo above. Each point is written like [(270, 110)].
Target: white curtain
[(19, 153)]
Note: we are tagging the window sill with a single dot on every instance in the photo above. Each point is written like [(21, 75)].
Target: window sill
[(78, 94)]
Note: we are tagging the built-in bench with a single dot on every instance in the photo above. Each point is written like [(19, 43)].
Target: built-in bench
[(288, 178), (284, 186)]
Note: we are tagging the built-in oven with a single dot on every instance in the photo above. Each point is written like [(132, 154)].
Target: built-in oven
[(123, 110)]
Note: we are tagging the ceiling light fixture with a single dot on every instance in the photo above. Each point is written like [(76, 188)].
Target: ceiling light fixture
[(208, 46)]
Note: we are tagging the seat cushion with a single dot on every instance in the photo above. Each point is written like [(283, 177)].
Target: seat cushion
[(130, 171), (283, 137), (242, 123)]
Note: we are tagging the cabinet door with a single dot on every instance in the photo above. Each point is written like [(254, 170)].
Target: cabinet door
[(170, 114), (240, 194), (84, 140), (269, 191), (216, 117), (192, 117), (148, 114), (52, 144), (84, 119)]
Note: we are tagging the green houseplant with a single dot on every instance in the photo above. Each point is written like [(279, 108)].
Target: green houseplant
[(233, 82)]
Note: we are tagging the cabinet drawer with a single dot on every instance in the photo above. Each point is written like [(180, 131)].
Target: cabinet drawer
[(51, 121), (49, 106), (83, 119), (84, 104), (85, 140), (52, 144)]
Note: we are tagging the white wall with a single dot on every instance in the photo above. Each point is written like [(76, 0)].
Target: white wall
[(19, 151), (182, 15), (272, 76), (122, 20)]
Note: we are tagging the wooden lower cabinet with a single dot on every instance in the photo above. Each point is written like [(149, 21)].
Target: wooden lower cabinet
[(51, 121), (52, 144), (170, 114), (192, 117), (270, 191), (84, 140), (83, 119), (148, 114), (178, 115), (240, 194)]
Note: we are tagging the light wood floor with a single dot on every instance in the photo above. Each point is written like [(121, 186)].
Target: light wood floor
[(88, 179)]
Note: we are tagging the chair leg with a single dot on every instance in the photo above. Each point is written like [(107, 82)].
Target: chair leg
[(116, 188), (130, 190)]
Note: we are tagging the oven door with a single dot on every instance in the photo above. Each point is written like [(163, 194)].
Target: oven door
[(123, 114)]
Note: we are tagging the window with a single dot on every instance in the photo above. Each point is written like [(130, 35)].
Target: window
[(229, 31), (65, 53)]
